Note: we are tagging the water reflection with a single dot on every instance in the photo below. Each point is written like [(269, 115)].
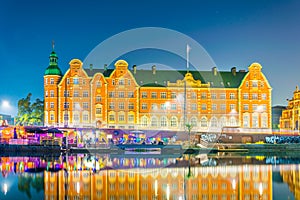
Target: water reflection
[(98, 176)]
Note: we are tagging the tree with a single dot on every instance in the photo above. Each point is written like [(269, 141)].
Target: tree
[(30, 113)]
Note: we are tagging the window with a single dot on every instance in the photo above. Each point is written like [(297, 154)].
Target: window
[(203, 122), (121, 95), (130, 106), (254, 107), (223, 96), (144, 121), (194, 122), (255, 121), (173, 95), (46, 105), (173, 121), (85, 105), (98, 111), (232, 96), (153, 121), (203, 106), (98, 98), (246, 121), (214, 96), (264, 96), (163, 121), (66, 104), (52, 117), (68, 81), (246, 107), (214, 122), (66, 93), (98, 84), (51, 104), (203, 95), (52, 81), (163, 95), (193, 95), (144, 106), (111, 94), (173, 106), (130, 118), (232, 107), (223, 106), (254, 96), (66, 117), (75, 81), (154, 106), (130, 95), (163, 106), (194, 106), (46, 93), (129, 82), (51, 93), (76, 117), (111, 105), (76, 93), (85, 94), (121, 106), (76, 106), (113, 82), (214, 107), (121, 82), (121, 117), (85, 117), (254, 84), (153, 95), (247, 84), (245, 96), (144, 95), (111, 117)]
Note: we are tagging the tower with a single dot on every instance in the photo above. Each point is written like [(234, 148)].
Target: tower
[(52, 77)]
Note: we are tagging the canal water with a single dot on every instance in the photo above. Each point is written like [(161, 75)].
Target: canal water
[(138, 176)]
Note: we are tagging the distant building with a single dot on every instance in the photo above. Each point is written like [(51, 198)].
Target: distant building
[(6, 120), (276, 114), (155, 99), (290, 117)]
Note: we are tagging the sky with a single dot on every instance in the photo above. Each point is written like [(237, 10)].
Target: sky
[(233, 33)]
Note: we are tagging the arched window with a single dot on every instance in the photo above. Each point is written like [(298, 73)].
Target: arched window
[(163, 121), (194, 122), (222, 122), (214, 122), (232, 121), (144, 121), (154, 121), (174, 121), (203, 122)]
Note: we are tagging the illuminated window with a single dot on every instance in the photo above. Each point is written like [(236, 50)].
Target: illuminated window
[(75, 81), (144, 121), (85, 94), (173, 106), (111, 117), (153, 95), (51, 104), (144, 95), (163, 106), (245, 96), (174, 121), (121, 117), (46, 93), (203, 122), (131, 106), (173, 95), (214, 96), (203, 106), (254, 96), (130, 95), (163, 121), (263, 96), (246, 107), (154, 106), (121, 106), (144, 106), (194, 122), (76, 93), (52, 81), (51, 93), (223, 106), (98, 111), (98, 84), (194, 106), (130, 118), (154, 121), (98, 98), (85, 105), (254, 84), (214, 107), (111, 105), (121, 82), (163, 95), (222, 96), (214, 122), (121, 95), (232, 107), (193, 95)]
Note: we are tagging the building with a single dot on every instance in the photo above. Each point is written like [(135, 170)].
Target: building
[(155, 99), (289, 120), (6, 120), (276, 114)]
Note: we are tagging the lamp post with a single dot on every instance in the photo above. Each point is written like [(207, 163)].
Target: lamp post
[(189, 127)]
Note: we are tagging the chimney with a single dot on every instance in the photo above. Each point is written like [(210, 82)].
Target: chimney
[(233, 71), (154, 69), (214, 70), (134, 69), (91, 67), (105, 67)]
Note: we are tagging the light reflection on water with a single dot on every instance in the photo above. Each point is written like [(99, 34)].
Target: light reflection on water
[(140, 176)]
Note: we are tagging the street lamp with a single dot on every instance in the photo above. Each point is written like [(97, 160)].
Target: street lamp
[(189, 127)]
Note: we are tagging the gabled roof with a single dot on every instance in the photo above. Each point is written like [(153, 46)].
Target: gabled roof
[(146, 78)]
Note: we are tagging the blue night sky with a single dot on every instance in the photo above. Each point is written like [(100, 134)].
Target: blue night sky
[(234, 33)]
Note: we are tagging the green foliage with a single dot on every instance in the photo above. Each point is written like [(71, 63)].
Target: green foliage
[(30, 113)]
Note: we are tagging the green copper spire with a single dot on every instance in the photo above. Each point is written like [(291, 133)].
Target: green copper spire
[(53, 68)]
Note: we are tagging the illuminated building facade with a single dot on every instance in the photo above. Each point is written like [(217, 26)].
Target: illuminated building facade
[(155, 99), (289, 120), (219, 182)]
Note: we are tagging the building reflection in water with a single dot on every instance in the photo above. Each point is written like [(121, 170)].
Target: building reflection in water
[(104, 177)]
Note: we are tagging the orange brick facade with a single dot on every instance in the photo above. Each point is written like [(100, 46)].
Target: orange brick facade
[(157, 99)]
